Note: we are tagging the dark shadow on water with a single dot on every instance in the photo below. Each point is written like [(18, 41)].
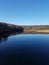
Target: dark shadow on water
[(4, 37), (7, 31)]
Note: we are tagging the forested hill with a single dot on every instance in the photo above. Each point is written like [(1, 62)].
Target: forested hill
[(4, 27)]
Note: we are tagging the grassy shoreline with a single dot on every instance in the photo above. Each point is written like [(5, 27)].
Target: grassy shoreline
[(37, 31)]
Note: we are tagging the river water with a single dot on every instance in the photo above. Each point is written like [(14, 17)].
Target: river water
[(24, 49)]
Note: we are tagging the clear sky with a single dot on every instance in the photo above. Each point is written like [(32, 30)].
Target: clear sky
[(24, 12)]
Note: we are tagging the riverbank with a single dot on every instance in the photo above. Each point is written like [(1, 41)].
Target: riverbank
[(10, 28), (37, 31)]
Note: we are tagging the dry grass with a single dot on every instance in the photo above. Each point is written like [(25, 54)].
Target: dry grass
[(46, 31), (36, 31)]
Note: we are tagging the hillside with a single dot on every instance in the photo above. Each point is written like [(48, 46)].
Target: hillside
[(36, 29), (4, 27)]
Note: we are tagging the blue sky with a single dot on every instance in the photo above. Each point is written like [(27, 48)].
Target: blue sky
[(25, 12)]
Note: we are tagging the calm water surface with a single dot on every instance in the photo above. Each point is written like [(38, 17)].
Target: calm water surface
[(24, 49)]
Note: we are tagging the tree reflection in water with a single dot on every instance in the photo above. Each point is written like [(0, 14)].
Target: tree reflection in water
[(4, 37), (5, 34)]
